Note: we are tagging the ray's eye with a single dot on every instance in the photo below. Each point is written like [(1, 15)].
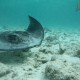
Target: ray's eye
[(13, 38)]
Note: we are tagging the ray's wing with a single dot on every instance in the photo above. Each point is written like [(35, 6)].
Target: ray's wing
[(22, 40), (36, 30)]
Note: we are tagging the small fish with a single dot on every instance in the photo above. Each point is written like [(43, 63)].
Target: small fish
[(78, 6), (22, 40)]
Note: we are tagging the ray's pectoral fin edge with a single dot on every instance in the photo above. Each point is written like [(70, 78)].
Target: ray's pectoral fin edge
[(35, 29)]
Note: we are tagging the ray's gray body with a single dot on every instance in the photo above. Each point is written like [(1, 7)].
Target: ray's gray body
[(22, 40)]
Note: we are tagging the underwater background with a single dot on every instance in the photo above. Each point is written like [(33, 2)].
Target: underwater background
[(50, 13), (57, 58)]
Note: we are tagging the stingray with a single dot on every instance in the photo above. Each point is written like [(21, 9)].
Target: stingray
[(22, 40)]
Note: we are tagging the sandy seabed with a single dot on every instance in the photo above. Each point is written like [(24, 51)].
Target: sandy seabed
[(58, 58)]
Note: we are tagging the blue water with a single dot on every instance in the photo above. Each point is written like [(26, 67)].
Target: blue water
[(51, 13)]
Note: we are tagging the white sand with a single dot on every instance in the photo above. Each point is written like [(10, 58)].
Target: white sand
[(59, 46)]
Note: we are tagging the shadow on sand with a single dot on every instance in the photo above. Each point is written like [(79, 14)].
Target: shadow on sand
[(12, 57)]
